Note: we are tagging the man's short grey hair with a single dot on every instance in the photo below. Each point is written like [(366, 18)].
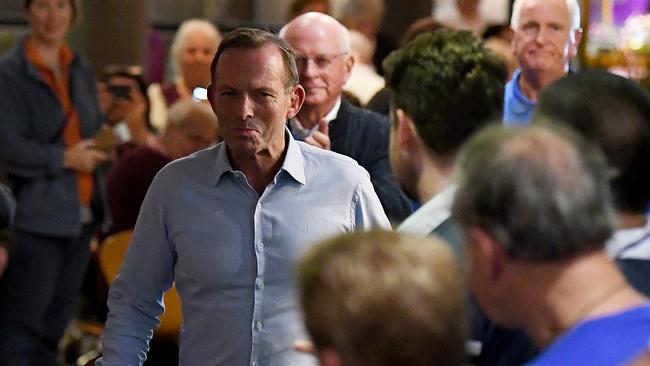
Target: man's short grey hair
[(186, 28), (572, 5), (542, 193)]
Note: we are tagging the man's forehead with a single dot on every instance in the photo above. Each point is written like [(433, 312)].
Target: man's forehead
[(534, 8), (267, 54), (266, 61), (316, 39)]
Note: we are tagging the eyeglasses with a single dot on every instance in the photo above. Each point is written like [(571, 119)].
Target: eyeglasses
[(321, 61)]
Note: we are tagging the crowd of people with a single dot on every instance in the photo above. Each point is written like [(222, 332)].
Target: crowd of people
[(480, 203)]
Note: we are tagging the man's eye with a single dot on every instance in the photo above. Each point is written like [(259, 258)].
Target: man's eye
[(322, 61)]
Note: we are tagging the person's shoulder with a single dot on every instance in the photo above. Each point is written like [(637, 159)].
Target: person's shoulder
[(196, 166), (317, 154), (371, 127), (611, 339), (10, 62), (330, 162), (364, 115)]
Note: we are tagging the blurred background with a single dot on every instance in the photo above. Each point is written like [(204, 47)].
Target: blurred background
[(617, 32)]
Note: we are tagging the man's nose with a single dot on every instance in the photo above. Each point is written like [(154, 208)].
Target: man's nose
[(542, 35), (245, 108), (204, 57), (309, 68)]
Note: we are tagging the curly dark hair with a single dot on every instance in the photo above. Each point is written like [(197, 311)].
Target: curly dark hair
[(449, 84)]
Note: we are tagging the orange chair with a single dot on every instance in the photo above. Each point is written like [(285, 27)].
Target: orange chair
[(111, 256)]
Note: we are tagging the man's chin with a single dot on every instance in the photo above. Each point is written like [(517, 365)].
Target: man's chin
[(316, 98)]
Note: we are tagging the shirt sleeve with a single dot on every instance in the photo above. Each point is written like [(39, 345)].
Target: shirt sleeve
[(368, 211), (135, 299)]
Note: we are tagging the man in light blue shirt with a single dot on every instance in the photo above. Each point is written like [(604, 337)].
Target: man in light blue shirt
[(546, 34), (227, 225)]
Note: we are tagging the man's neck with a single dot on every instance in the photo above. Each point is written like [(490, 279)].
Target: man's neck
[(532, 82), (260, 168), (554, 298), (434, 176), (309, 116), (631, 220)]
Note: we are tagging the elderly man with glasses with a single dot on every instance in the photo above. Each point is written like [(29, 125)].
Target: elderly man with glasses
[(327, 119)]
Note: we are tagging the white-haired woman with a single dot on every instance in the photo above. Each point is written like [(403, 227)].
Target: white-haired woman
[(194, 45)]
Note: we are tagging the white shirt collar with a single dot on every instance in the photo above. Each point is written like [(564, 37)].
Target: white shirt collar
[(633, 243), (430, 215)]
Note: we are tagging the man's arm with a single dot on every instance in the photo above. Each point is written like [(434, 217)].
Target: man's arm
[(368, 213), (136, 297)]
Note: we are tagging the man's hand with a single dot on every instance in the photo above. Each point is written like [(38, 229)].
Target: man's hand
[(321, 138), (304, 346), (83, 156)]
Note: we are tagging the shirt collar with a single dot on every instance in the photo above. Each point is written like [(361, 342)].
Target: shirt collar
[(524, 102), (293, 161), (433, 213), (65, 56)]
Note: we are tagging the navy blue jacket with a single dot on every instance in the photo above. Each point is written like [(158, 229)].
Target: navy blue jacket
[(32, 144), (364, 136)]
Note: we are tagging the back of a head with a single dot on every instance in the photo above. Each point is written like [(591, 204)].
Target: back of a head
[(542, 192), (187, 113), (614, 112), (449, 84), (381, 298)]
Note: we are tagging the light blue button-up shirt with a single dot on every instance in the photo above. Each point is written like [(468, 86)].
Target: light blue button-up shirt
[(232, 255), (517, 108)]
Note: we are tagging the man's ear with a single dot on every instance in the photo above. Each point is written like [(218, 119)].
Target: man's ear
[(348, 64), (210, 89), (576, 37), (490, 252), (297, 98), (406, 131)]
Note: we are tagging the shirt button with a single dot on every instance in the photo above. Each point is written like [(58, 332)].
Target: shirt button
[(259, 284), (258, 325), (260, 245), (254, 363)]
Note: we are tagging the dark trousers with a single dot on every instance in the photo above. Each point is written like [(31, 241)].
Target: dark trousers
[(37, 295)]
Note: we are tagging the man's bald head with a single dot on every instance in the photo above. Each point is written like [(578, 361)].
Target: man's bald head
[(317, 22), (322, 46)]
